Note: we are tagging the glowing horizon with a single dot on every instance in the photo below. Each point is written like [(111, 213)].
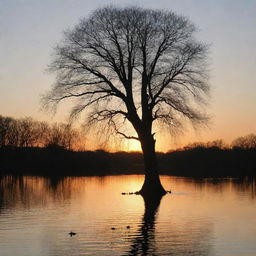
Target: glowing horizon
[(30, 30)]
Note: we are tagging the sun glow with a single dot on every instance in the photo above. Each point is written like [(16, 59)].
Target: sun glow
[(132, 145)]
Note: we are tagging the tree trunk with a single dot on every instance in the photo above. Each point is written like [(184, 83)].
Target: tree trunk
[(152, 186)]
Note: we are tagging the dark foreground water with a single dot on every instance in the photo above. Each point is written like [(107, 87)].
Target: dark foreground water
[(200, 217)]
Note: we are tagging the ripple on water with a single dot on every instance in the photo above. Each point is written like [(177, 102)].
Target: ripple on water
[(198, 218)]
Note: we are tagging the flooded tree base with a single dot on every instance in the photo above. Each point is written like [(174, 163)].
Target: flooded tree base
[(152, 193), (139, 193), (152, 186), (150, 189)]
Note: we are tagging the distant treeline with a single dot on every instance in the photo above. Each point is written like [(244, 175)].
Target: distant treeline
[(37, 148), (210, 162), (27, 132), (193, 162), (243, 142), (55, 160)]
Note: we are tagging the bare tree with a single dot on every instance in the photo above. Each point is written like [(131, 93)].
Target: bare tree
[(13, 133), (245, 142), (42, 131), (8, 131), (63, 135), (135, 66), (27, 131), (56, 136)]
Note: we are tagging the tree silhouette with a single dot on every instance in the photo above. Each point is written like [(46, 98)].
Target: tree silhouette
[(132, 66)]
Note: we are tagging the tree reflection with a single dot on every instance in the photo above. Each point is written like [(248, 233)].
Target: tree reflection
[(218, 185), (246, 185), (190, 239), (143, 243), (26, 192)]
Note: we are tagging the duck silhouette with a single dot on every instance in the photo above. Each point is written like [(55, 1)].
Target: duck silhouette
[(72, 233)]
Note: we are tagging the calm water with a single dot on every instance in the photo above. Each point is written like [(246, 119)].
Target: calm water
[(200, 217)]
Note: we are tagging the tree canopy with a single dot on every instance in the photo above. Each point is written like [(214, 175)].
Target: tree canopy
[(132, 64)]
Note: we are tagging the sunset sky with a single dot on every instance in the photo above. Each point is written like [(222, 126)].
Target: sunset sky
[(29, 29)]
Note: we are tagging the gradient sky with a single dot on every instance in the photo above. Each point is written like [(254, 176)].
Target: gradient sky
[(29, 29)]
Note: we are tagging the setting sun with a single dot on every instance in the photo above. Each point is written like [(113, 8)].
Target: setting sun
[(132, 145)]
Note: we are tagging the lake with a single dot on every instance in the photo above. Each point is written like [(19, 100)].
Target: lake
[(200, 217)]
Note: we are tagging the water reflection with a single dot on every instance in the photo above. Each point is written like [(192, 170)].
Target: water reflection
[(218, 185), (31, 191), (143, 242), (200, 217), (27, 192), (190, 238)]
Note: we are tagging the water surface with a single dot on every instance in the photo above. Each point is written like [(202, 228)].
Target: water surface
[(200, 217)]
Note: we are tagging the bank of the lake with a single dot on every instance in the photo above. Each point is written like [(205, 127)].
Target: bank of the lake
[(197, 162)]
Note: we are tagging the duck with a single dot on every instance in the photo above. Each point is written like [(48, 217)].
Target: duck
[(72, 233)]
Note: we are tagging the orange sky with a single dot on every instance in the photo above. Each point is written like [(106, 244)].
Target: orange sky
[(30, 29)]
